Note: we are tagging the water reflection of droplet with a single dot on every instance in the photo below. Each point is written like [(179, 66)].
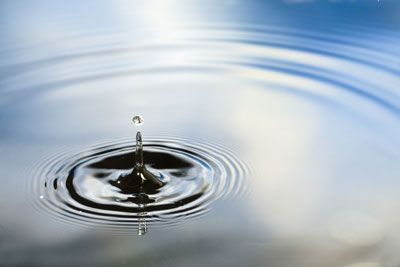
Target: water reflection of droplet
[(142, 230), (138, 120)]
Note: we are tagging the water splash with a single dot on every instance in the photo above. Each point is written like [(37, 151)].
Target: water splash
[(139, 167), (140, 170), (139, 151), (98, 187)]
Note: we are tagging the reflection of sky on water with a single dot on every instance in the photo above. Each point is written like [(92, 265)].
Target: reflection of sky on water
[(305, 91)]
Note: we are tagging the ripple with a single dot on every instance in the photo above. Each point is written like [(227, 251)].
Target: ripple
[(337, 64), (93, 187)]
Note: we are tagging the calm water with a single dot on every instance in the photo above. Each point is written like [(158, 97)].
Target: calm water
[(276, 125)]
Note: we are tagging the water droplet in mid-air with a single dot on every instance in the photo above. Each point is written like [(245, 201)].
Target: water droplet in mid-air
[(138, 120)]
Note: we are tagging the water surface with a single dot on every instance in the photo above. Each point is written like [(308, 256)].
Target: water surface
[(301, 98)]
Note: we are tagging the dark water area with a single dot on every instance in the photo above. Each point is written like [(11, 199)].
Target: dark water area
[(274, 127), (101, 186)]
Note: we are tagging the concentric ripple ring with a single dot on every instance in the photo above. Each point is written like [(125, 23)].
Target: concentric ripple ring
[(86, 188)]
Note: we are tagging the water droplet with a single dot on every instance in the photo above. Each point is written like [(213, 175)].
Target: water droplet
[(41, 197), (138, 120)]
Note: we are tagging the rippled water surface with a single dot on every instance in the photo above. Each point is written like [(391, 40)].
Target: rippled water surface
[(274, 125)]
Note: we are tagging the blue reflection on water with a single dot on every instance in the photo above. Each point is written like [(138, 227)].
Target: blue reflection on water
[(307, 92)]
